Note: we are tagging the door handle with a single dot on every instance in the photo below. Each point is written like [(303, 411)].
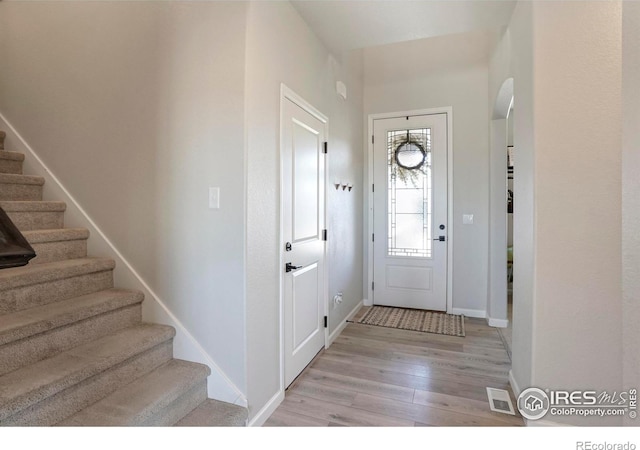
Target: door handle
[(440, 238), (290, 267)]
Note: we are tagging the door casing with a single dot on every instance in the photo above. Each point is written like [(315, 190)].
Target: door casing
[(288, 94), (448, 110)]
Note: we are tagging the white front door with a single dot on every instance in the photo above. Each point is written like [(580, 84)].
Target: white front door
[(303, 215), (410, 212)]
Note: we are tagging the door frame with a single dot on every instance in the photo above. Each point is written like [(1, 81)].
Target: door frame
[(288, 94), (448, 110)]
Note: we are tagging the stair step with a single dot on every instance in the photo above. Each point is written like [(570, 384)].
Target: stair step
[(34, 334), (20, 187), (214, 413), (29, 216), (58, 244), (11, 162), (160, 398), (51, 390), (39, 284)]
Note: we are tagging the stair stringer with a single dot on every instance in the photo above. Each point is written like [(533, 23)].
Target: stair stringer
[(186, 346)]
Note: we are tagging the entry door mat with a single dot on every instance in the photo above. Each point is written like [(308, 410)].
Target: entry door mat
[(414, 320)]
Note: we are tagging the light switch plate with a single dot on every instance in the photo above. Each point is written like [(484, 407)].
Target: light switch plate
[(214, 198), (467, 219)]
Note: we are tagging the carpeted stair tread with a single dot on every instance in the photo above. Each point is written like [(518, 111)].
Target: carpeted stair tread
[(41, 273), (56, 235), (57, 244), (27, 206), (11, 156), (31, 384), (214, 413), (26, 323), (35, 215), (138, 402), (12, 178), (11, 162)]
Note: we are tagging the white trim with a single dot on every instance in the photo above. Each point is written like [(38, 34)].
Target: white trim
[(514, 384), (498, 323), (219, 386), (448, 110), (367, 302), (334, 335), (261, 417), (288, 94), (476, 313)]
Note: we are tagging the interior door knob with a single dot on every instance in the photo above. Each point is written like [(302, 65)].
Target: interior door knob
[(289, 267)]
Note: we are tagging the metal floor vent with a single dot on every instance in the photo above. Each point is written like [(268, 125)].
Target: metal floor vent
[(499, 401)]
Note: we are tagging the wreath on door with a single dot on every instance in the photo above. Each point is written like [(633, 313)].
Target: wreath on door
[(408, 158)]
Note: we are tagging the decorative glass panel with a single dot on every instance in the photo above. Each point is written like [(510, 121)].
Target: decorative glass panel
[(409, 193)]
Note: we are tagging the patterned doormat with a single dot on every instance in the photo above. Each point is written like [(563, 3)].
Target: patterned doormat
[(415, 320)]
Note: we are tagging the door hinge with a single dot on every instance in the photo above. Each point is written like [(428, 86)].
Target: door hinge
[(324, 235), (373, 237), (373, 285), (373, 188), (325, 148), (326, 321), (372, 139)]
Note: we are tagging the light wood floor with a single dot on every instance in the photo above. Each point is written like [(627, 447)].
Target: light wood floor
[(375, 376)]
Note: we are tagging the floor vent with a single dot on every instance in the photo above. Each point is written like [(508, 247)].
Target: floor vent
[(499, 401)]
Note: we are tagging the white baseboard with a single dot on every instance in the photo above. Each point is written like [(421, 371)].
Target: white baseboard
[(367, 302), (480, 314), (498, 323), (219, 386), (334, 335), (261, 417)]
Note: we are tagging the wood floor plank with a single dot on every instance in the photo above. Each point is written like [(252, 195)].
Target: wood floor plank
[(425, 351), (422, 370), (464, 406), (443, 386), (309, 388), (283, 418), (355, 385), (420, 413), (390, 355), (340, 414)]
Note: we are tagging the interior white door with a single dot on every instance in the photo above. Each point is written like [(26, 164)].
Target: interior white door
[(303, 196), (410, 212)]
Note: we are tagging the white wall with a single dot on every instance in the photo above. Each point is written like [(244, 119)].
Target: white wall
[(631, 194), (282, 49), (577, 81), (138, 107), (567, 238), (464, 87)]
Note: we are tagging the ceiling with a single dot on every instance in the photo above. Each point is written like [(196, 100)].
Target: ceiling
[(351, 24)]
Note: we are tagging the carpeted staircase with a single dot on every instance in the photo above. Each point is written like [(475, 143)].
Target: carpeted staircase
[(73, 349)]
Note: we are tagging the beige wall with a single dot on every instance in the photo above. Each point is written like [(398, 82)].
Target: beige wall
[(138, 108), (465, 89), (293, 55)]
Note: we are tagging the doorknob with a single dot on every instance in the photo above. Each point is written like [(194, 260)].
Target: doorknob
[(440, 238), (289, 267)]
